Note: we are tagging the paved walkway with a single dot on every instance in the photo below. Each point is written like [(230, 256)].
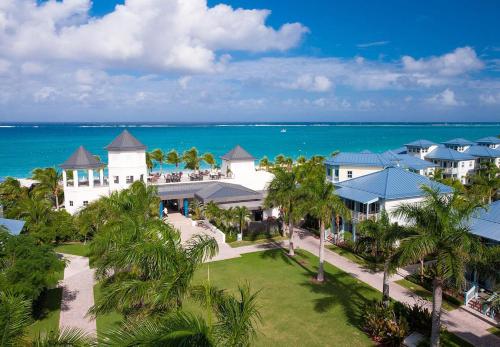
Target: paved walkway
[(78, 294), (459, 321)]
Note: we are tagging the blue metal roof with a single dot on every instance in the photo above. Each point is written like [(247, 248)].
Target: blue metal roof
[(486, 223), (400, 150), (390, 184), (490, 140), (444, 153), (359, 159), (459, 142), (483, 152), (12, 225), (356, 195), (365, 151), (408, 161), (421, 143)]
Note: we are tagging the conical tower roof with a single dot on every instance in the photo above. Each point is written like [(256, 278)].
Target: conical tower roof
[(238, 153), (81, 159), (125, 142)]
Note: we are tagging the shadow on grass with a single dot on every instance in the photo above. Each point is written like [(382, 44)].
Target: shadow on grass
[(49, 301)]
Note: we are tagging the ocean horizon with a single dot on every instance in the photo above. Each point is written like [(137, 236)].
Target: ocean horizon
[(25, 146)]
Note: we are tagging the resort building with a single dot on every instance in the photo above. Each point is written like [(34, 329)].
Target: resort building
[(484, 154), (459, 144), (367, 195), (489, 141), (420, 148), (454, 164)]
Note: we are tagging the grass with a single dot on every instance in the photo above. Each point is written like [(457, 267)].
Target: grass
[(355, 258), (495, 331), (106, 321), (48, 313), (242, 243), (424, 293), (73, 248)]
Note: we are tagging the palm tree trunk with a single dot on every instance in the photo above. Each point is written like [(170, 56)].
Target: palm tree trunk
[(422, 270), (321, 271), (337, 231), (291, 251), (437, 300), (57, 202), (385, 286)]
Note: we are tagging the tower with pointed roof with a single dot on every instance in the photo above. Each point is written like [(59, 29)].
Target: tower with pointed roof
[(83, 180), (126, 161), (238, 163)]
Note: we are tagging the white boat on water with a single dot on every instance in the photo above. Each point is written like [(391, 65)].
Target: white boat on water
[(283, 130)]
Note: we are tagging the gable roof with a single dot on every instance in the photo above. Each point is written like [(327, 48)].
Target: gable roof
[(421, 143), (445, 153), (12, 225), (491, 140), (125, 142), (483, 152), (486, 223), (408, 161), (225, 192), (459, 142), (359, 159), (81, 159), (389, 184), (238, 153), (399, 150)]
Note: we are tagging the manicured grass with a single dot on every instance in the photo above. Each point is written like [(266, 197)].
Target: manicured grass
[(48, 313), (106, 321), (495, 331), (73, 248), (355, 258), (424, 293), (236, 244), (451, 340), (295, 310)]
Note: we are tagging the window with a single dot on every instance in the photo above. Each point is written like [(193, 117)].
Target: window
[(116, 179), (463, 164), (71, 203), (349, 174), (129, 179), (470, 163), (85, 203), (142, 178), (337, 173), (328, 171)]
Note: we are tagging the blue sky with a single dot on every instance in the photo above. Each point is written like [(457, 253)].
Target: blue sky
[(193, 60)]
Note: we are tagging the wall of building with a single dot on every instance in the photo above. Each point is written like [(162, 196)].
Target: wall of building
[(357, 171), (239, 168), (391, 205), (123, 164), (74, 197)]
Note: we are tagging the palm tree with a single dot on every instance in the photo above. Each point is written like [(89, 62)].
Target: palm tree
[(335, 153), (173, 158), (486, 182), (159, 156), (324, 206), (442, 231), (16, 317), (264, 163), (285, 193), (191, 159), (242, 216), (212, 211), (11, 192), (197, 209), (301, 160), (279, 160), (382, 236), (149, 162), (209, 159), (49, 183), (237, 318)]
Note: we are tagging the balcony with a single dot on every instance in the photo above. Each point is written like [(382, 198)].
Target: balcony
[(450, 171), (186, 176), (361, 216)]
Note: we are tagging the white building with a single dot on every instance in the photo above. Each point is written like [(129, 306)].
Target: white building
[(83, 175), (490, 141)]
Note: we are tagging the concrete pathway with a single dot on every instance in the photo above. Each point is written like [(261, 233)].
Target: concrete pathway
[(78, 294), (459, 321)]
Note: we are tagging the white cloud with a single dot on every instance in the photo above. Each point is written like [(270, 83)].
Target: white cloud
[(490, 99), (143, 34), (311, 83), (45, 94), (32, 68), (445, 98), (184, 81), (366, 104), (461, 60), (372, 44)]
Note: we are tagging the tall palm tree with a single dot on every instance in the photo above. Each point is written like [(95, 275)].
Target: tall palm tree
[(440, 222), (212, 211), (11, 192), (209, 159), (279, 160), (335, 153), (324, 205), (242, 216), (301, 160), (285, 192), (149, 162), (49, 183), (159, 156), (192, 159), (486, 182), (264, 163), (236, 325), (382, 236), (289, 163), (173, 158)]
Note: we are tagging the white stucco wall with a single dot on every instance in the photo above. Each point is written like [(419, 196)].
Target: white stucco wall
[(357, 171), (123, 164), (391, 205), (78, 195), (238, 167)]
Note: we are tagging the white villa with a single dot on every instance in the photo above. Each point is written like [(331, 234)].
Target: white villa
[(86, 179)]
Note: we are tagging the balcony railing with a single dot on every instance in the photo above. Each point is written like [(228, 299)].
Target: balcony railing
[(361, 216), (450, 170)]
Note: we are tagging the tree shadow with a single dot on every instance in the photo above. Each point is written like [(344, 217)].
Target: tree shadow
[(49, 301)]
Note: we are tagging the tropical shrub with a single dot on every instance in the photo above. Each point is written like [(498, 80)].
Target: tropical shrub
[(383, 325)]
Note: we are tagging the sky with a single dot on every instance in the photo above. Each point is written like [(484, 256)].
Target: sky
[(245, 61)]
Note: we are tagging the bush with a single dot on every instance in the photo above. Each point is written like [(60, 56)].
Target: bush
[(383, 325), (418, 317)]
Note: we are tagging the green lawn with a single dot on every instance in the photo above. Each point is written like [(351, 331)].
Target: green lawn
[(236, 244), (107, 321), (48, 313), (73, 248), (424, 293), (355, 258), (494, 331)]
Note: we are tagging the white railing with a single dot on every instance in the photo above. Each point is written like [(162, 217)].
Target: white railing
[(450, 170), (361, 216), (470, 294)]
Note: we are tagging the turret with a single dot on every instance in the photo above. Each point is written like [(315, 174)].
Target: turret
[(238, 163)]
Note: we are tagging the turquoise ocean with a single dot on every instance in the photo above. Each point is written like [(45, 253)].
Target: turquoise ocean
[(27, 146)]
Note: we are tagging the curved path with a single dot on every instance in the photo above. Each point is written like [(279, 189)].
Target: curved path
[(78, 294)]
